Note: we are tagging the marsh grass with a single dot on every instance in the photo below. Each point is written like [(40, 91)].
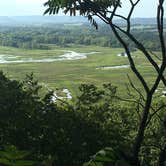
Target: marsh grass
[(70, 74)]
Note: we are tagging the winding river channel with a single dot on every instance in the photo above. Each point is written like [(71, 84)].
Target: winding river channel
[(68, 55)]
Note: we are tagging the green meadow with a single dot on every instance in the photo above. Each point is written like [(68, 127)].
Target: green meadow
[(71, 73)]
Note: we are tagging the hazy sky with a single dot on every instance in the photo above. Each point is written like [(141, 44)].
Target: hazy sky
[(21, 7), (146, 8)]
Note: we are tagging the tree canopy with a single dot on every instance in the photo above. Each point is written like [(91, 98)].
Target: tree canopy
[(87, 8), (106, 11)]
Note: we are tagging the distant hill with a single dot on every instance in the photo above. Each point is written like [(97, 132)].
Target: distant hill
[(141, 21), (39, 20), (46, 20)]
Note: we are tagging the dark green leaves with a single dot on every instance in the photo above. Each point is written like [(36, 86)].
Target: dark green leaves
[(92, 21), (11, 156), (102, 157), (88, 8)]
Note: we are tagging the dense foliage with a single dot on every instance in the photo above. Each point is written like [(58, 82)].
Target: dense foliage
[(38, 37), (66, 135), (69, 133)]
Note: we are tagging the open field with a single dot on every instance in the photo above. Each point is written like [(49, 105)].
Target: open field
[(68, 73)]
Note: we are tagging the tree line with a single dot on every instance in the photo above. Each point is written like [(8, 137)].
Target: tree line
[(65, 35)]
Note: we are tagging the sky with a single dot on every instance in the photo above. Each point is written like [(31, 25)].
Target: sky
[(146, 8), (21, 7)]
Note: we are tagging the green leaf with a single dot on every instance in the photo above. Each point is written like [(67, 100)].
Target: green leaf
[(23, 163), (5, 162)]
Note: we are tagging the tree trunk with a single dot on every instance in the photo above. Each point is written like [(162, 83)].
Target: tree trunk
[(162, 157), (140, 135)]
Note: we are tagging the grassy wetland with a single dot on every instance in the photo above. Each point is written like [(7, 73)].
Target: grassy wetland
[(67, 55), (99, 65)]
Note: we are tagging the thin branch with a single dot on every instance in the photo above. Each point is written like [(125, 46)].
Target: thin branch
[(129, 100), (139, 45), (160, 118), (131, 2), (142, 49), (154, 113), (129, 92), (113, 12), (133, 101), (129, 15), (132, 64), (133, 86), (117, 15), (136, 2), (160, 15), (155, 55), (103, 19)]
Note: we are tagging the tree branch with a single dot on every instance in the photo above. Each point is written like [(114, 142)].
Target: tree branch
[(154, 113), (142, 49)]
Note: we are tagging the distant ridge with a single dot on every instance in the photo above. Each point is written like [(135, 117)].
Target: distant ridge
[(141, 21), (39, 20), (44, 20)]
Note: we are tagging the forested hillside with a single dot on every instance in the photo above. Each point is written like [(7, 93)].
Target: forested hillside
[(41, 37)]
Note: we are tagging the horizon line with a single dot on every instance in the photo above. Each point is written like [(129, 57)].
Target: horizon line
[(55, 15)]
